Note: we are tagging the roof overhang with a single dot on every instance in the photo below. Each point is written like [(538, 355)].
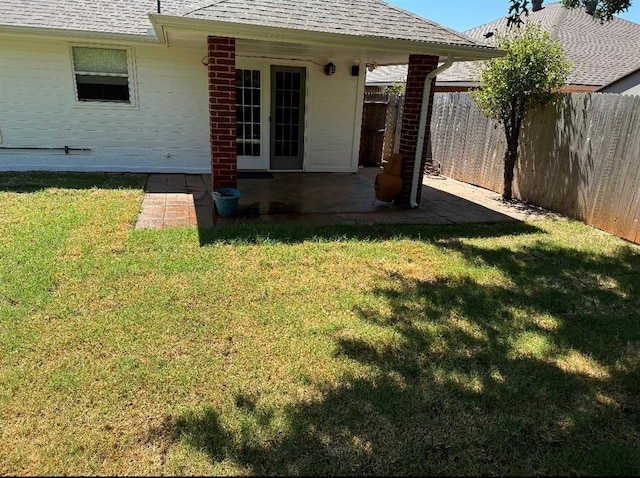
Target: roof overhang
[(125, 38), (180, 31)]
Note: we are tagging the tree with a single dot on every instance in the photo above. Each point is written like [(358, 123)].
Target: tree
[(603, 9), (532, 71)]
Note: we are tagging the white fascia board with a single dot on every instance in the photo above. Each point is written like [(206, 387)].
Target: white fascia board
[(124, 38), (382, 83), (163, 23), (456, 83)]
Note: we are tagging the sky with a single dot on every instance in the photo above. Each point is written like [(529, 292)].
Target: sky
[(462, 15)]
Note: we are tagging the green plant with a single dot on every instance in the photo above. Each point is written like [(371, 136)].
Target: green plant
[(396, 88), (532, 71), (603, 9)]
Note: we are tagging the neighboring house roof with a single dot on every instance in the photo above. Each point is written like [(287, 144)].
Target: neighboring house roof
[(387, 75), (629, 83), (600, 52), (370, 18)]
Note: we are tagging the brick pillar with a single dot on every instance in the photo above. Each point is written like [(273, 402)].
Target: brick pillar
[(419, 67), (222, 112)]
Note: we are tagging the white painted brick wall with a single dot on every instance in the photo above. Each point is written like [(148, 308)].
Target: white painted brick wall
[(167, 131)]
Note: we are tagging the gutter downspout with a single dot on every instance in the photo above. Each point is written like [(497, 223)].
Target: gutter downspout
[(426, 93)]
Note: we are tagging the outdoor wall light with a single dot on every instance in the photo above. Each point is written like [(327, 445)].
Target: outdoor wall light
[(329, 69)]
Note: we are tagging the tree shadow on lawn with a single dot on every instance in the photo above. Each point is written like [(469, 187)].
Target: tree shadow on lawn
[(537, 377)]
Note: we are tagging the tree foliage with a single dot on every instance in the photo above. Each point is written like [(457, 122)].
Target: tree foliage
[(532, 71), (604, 10), (516, 10)]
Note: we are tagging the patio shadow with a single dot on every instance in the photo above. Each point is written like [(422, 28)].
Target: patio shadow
[(298, 231), (261, 217)]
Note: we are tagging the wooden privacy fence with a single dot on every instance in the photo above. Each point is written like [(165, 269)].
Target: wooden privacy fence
[(579, 157), (381, 124)]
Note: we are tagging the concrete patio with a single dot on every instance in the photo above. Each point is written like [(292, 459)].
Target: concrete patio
[(173, 200)]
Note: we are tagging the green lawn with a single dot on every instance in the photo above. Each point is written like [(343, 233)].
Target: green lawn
[(509, 349)]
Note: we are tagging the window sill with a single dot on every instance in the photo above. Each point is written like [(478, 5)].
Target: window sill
[(115, 105)]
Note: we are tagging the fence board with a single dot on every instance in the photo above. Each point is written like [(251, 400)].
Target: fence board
[(609, 124), (579, 156), (627, 203), (381, 125), (372, 137)]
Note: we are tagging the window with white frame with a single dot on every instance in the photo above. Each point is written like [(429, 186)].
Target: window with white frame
[(101, 74), (248, 112)]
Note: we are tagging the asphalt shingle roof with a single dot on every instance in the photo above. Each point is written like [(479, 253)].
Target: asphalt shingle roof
[(600, 52), (388, 74), (108, 16), (373, 18)]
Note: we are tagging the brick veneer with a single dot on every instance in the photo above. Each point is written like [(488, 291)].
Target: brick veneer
[(419, 67), (222, 111)]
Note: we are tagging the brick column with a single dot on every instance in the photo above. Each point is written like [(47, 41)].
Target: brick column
[(222, 111), (419, 67)]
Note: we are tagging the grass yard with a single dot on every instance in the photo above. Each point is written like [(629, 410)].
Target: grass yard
[(509, 349)]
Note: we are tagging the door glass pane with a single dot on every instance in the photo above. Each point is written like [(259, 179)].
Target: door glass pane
[(287, 97), (247, 78), (248, 112)]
